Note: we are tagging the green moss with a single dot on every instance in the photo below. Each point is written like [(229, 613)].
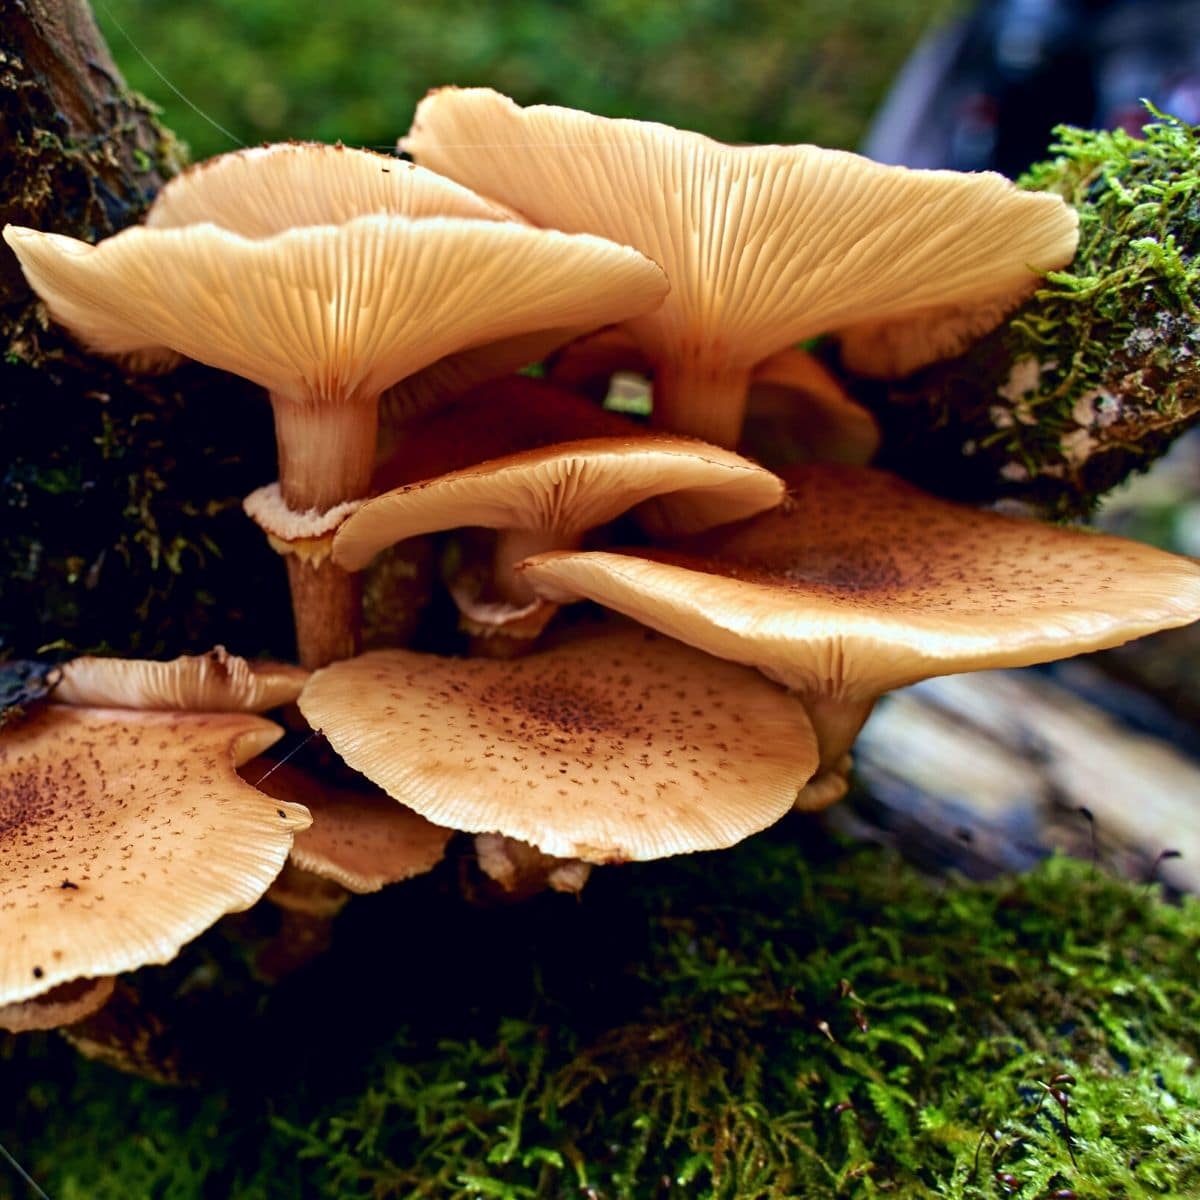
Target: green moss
[(757, 1025), (1094, 376)]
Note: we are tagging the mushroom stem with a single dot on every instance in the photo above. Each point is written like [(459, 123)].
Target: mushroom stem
[(326, 450), (701, 400), (513, 546), (837, 721), (326, 456), (327, 607)]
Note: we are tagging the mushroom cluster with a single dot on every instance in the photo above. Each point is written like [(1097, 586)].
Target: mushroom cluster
[(385, 306)]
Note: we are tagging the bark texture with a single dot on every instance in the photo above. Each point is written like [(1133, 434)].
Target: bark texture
[(118, 496)]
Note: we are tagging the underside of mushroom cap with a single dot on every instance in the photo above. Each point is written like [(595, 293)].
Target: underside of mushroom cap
[(764, 245), (333, 313), (125, 834), (214, 682), (862, 583), (617, 747), (264, 190), (360, 839), (62, 1005)]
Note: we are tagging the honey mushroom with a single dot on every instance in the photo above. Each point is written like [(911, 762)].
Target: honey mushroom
[(861, 584), (325, 315), (541, 467), (610, 748), (764, 246)]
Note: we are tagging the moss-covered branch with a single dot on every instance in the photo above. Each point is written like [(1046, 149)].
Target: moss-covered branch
[(1097, 374)]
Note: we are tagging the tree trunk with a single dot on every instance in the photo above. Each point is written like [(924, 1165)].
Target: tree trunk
[(119, 497)]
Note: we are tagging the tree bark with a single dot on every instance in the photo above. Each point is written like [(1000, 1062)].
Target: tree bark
[(119, 496)]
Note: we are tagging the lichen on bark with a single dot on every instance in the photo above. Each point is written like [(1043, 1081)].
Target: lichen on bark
[(1096, 374)]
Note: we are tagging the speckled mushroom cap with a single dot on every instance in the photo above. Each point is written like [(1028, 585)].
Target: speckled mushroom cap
[(359, 839), (214, 682), (617, 747), (62, 1005), (333, 312), (264, 190), (763, 245), (540, 459), (863, 583), (125, 834)]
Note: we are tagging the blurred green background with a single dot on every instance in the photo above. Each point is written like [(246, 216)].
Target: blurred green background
[(740, 70)]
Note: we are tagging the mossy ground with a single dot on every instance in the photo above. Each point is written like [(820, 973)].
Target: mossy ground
[(790, 1018)]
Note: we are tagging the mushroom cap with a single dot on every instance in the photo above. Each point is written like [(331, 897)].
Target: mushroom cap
[(214, 682), (764, 245), (616, 747), (862, 583), (531, 480), (265, 190), (331, 312), (124, 835), (62, 1005), (359, 839)]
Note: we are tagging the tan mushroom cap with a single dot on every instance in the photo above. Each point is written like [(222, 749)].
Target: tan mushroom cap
[(62, 1005), (543, 460), (214, 682), (124, 835), (616, 747), (764, 246), (359, 839), (265, 190), (862, 583), (333, 313)]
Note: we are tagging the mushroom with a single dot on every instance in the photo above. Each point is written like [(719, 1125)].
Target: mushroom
[(764, 246), (862, 584), (325, 317), (519, 870), (214, 682), (554, 466), (609, 748), (124, 835)]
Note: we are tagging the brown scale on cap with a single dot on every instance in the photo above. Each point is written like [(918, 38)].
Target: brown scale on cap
[(862, 583), (617, 747), (124, 835)]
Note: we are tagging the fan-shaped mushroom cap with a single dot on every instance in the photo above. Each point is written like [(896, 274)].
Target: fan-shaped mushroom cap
[(214, 682), (334, 313), (862, 584), (124, 835), (59, 1006), (540, 459), (359, 839), (611, 748), (764, 245), (266, 190)]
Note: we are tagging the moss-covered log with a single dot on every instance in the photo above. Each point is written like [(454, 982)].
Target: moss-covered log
[(1100, 371), (118, 496)]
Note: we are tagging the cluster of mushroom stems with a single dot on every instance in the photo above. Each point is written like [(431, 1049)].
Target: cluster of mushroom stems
[(777, 584)]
